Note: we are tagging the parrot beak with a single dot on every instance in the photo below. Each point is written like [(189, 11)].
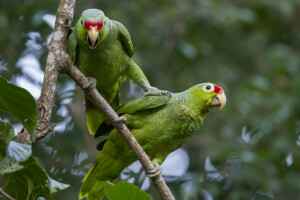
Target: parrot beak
[(219, 100), (93, 37)]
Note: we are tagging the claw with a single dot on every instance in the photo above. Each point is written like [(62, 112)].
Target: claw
[(155, 171), (121, 119), (91, 83), (153, 91)]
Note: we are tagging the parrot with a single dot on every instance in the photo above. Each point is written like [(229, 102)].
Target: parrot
[(102, 49), (161, 124)]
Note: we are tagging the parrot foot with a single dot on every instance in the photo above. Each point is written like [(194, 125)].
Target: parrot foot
[(153, 91), (121, 119), (155, 171), (91, 83)]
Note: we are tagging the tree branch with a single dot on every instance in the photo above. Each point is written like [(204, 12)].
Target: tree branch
[(64, 17), (59, 61)]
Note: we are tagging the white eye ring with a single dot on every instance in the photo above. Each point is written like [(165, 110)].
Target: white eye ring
[(209, 88)]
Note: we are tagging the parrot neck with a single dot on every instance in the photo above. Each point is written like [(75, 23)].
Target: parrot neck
[(191, 114), (199, 107)]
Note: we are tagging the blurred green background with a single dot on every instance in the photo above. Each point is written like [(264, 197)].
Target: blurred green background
[(250, 150)]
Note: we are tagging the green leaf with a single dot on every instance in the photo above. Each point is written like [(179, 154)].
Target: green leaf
[(19, 152), (124, 191), (17, 185), (56, 186), (31, 182), (6, 135), (2, 149), (19, 103), (9, 165), (6, 132)]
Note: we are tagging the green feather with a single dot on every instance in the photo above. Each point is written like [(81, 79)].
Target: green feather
[(161, 124), (109, 62), (131, 107)]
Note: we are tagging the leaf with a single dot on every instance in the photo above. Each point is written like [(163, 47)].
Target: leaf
[(2, 149), (17, 185), (19, 103), (56, 186), (9, 165), (6, 135), (19, 152), (31, 182), (6, 132), (33, 174), (124, 191)]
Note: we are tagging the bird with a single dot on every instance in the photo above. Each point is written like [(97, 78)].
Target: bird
[(161, 124), (102, 49)]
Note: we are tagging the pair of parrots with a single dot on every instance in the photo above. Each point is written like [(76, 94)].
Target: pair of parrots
[(102, 49)]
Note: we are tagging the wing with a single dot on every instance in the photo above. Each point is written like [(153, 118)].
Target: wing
[(125, 38), (146, 103)]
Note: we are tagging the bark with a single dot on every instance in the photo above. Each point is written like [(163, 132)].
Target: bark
[(54, 65)]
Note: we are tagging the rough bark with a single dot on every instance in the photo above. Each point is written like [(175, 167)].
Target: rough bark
[(54, 64)]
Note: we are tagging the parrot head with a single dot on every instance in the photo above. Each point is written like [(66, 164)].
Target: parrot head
[(93, 26), (209, 95)]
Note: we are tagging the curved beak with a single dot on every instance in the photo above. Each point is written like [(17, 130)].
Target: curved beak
[(93, 37), (219, 100)]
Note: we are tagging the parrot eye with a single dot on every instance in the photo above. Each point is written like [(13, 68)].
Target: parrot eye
[(81, 22), (209, 88)]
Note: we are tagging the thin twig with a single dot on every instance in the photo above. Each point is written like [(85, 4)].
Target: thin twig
[(5, 194)]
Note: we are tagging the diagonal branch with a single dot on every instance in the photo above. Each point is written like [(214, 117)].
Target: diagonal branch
[(59, 61), (113, 117)]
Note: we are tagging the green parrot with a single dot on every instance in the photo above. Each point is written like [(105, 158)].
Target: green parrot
[(161, 124), (102, 49)]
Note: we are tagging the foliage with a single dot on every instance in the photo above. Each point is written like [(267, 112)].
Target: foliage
[(24, 177), (123, 191), (19, 103)]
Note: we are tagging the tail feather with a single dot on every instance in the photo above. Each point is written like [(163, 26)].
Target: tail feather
[(107, 169), (91, 188), (94, 116)]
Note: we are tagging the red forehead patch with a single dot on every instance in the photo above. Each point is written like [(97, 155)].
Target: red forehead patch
[(88, 24), (217, 89)]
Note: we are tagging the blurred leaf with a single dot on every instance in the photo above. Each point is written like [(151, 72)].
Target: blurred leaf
[(19, 152), (17, 185), (19, 103), (6, 132), (31, 182), (124, 191), (6, 135), (9, 165), (297, 127), (56, 186), (2, 149)]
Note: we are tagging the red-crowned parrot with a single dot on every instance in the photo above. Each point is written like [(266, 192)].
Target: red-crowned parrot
[(161, 124), (102, 49)]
